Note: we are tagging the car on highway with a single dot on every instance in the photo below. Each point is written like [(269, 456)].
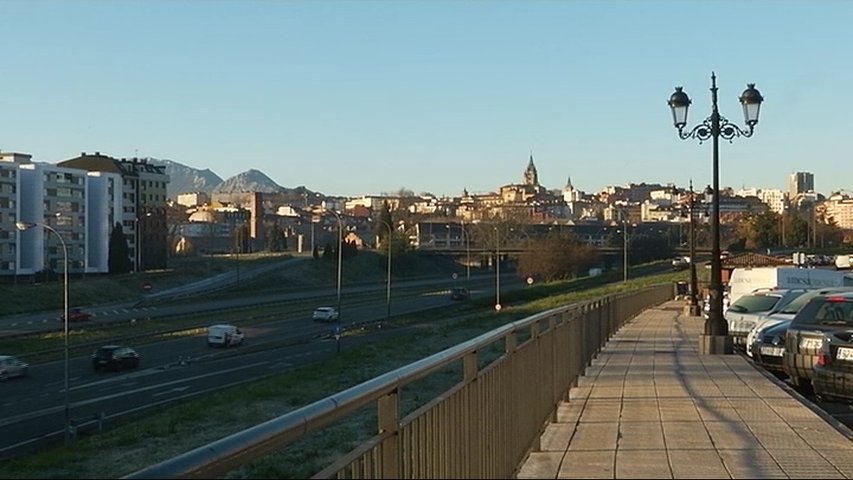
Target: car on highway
[(224, 336), (805, 338), (114, 357), (76, 315), (325, 314), (459, 293), (11, 366)]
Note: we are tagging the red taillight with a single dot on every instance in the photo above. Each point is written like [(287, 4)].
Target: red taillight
[(835, 298), (821, 359)]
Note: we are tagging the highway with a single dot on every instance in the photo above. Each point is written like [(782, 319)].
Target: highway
[(32, 409)]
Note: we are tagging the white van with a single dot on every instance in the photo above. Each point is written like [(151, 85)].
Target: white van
[(224, 336), (747, 280)]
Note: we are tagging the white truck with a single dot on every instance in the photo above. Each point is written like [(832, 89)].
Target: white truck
[(745, 280), (842, 262)]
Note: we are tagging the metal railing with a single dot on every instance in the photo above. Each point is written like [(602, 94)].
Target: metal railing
[(481, 427)]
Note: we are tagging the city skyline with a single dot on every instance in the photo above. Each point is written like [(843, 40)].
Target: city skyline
[(365, 97)]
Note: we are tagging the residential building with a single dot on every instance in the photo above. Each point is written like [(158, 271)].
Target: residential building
[(800, 182)]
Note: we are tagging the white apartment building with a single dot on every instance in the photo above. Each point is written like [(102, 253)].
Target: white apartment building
[(774, 198), (839, 207), (103, 211), (54, 197)]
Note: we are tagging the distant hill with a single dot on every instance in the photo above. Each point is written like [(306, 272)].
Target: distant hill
[(185, 179), (249, 181)]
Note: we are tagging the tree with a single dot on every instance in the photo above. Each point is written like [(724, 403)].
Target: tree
[(556, 258), (385, 222), (119, 255), (276, 240), (316, 252)]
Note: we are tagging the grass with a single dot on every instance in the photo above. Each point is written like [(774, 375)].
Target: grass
[(158, 435)]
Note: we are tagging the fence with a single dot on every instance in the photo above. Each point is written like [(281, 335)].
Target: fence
[(483, 426)]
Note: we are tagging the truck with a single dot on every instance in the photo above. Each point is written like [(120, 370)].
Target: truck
[(746, 280)]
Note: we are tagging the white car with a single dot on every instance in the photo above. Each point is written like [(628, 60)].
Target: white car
[(12, 367), (325, 314)]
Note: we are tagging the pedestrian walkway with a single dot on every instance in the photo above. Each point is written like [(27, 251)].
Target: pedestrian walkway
[(651, 407)]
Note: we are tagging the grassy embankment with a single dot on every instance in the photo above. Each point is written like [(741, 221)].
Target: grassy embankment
[(152, 437)]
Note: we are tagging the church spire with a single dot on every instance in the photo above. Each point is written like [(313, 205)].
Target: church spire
[(531, 177)]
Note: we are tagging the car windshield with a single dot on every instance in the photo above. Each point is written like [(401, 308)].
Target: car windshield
[(796, 304), (754, 303), (826, 312)]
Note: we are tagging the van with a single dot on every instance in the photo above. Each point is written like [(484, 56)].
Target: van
[(224, 336), (747, 280), (842, 262)]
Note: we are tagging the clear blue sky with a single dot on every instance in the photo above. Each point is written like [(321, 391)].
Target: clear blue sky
[(365, 97)]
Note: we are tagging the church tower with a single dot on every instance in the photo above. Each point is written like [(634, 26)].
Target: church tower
[(530, 176)]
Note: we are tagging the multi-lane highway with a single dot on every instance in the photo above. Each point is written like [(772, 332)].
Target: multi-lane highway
[(32, 409)]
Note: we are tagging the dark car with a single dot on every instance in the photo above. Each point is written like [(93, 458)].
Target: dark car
[(115, 357), (824, 314), (769, 347), (459, 293), (833, 371), (76, 315)]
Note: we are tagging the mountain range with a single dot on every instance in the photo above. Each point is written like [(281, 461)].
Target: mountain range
[(186, 179)]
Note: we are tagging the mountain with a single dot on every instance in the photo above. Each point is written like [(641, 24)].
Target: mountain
[(249, 181), (184, 179)]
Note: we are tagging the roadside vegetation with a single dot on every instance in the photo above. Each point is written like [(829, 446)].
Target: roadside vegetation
[(135, 443)]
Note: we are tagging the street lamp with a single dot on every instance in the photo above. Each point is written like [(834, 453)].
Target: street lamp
[(497, 270), (715, 340), (138, 231), (467, 256), (25, 226), (693, 306), (340, 247), (388, 289)]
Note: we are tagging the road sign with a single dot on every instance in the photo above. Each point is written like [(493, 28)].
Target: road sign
[(454, 276)]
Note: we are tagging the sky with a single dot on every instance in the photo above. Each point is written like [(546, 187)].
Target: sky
[(368, 97)]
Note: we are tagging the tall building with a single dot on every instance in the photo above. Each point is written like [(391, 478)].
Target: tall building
[(800, 182), (143, 204)]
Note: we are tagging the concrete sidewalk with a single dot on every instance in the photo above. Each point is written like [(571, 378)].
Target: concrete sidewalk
[(651, 407)]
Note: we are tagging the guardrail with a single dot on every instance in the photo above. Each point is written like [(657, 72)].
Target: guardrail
[(481, 427)]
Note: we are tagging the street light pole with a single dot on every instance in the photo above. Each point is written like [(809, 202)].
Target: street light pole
[(497, 270), (467, 256), (25, 226), (624, 249), (388, 275), (715, 339), (340, 247), (694, 303)]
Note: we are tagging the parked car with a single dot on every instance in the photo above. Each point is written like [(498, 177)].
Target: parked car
[(833, 371), (12, 367), (768, 348), (115, 357), (459, 293), (805, 336), (224, 336), (325, 314), (746, 311), (76, 315), (785, 313)]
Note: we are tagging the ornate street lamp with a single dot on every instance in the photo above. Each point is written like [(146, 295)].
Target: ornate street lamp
[(715, 340), (693, 305)]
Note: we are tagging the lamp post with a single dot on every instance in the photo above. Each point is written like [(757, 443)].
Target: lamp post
[(388, 275), (340, 247), (25, 226), (715, 339), (497, 270), (467, 256), (693, 305), (624, 249)]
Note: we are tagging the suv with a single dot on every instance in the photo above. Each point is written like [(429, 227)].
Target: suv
[(825, 314), (114, 357), (325, 314), (459, 293)]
